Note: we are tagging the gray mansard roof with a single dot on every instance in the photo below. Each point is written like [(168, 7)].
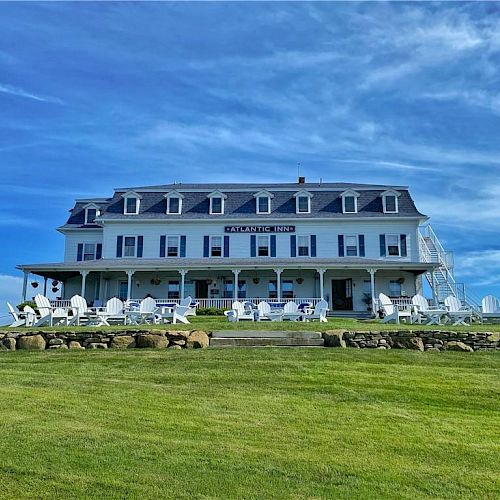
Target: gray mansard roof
[(326, 202)]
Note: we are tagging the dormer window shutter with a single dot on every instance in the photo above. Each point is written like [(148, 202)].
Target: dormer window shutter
[(273, 245), (206, 246), (163, 241), (293, 245), (253, 245), (79, 253), (98, 251), (361, 239), (382, 245), (226, 246), (313, 245), (119, 246), (183, 246), (404, 251), (140, 245), (341, 245)]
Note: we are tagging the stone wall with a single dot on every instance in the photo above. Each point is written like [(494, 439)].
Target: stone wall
[(93, 339), (419, 340)]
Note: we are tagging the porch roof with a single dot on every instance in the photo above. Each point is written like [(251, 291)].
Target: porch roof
[(64, 270)]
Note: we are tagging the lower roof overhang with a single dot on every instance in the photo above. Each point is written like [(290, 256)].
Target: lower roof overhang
[(65, 270)]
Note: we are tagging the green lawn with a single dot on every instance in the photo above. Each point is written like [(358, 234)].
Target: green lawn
[(249, 423)]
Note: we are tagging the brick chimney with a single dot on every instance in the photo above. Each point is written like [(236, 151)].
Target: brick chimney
[(302, 180)]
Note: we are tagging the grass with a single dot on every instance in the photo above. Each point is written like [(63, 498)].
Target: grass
[(249, 423)]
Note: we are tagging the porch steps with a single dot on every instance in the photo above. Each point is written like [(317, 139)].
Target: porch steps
[(239, 338)]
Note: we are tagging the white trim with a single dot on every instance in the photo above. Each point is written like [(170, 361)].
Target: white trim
[(398, 237), (356, 236), (89, 207), (167, 236), (355, 204), (95, 250), (210, 237), (173, 193), (268, 237), (396, 204), (137, 205), (221, 205), (308, 236), (170, 197), (257, 208), (123, 247), (297, 211)]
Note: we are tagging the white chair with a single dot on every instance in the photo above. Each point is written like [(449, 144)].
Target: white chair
[(146, 313), (114, 312), (319, 312), (176, 314), (82, 313), (291, 312), (391, 311), (18, 316), (49, 315), (188, 301), (30, 315), (242, 312), (490, 307), (423, 313), (264, 309), (456, 313)]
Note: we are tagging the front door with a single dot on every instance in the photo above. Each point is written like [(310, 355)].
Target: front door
[(201, 289), (342, 295)]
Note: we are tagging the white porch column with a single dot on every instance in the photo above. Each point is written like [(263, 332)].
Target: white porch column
[(321, 272), (84, 282), (25, 284), (183, 273), (278, 272), (130, 273), (372, 288), (236, 273)]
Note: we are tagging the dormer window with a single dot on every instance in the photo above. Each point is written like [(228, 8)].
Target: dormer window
[(217, 203), (174, 202), (91, 212), (390, 201), (263, 202), (132, 202), (303, 202), (350, 202)]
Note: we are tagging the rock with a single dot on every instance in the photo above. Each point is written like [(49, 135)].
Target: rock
[(177, 334), (8, 344), (415, 343), (63, 346), (334, 338), (152, 341), (180, 342), (371, 343), (31, 342), (458, 346), (174, 346), (55, 342), (382, 347), (13, 335), (433, 349), (198, 339), (97, 345), (382, 342), (73, 344), (122, 342)]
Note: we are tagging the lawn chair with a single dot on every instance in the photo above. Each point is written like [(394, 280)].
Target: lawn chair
[(49, 315), (264, 310), (82, 313), (243, 311), (391, 311), (30, 315), (291, 312), (318, 313), (490, 307), (18, 316), (424, 314), (146, 313), (456, 313), (113, 312), (177, 313)]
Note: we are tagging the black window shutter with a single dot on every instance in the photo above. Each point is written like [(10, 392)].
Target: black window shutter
[(253, 245), (313, 245), (293, 245), (79, 254), (98, 251), (206, 246), (404, 251), (183, 246), (119, 246), (361, 245), (140, 245), (163, 241), (226, 246), (382, 245), (341, 245), (273, 245)]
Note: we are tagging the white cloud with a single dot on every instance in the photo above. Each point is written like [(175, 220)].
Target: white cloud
[(482, 268), (16, 91)]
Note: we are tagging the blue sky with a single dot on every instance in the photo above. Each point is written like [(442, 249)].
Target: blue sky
[(99, 95)]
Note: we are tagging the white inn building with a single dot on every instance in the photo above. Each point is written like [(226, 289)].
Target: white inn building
[(345, 243)]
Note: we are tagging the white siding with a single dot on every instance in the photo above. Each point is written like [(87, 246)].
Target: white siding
[(73, 238)]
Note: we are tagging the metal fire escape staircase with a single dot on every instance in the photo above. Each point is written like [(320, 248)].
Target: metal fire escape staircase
[(442, 280)]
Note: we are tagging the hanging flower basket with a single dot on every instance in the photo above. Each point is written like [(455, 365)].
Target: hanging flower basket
[(55, 283), (55, 289), (34, 284)]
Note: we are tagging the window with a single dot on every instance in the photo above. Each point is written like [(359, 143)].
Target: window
[(351, 245), (90, 215), (367, 286), (263, 204), (131, 205), (390, 203), (287, 289), (303, 204), (216, 246), (129, 246), (89, 251), (263, 246), (123, 290), (303, 246), (216, 205), (393, 245), (242, 289), (173, 290), (173, 205), (173, 246), (227, 291), (273, 289), (349, 204), (394, 288)]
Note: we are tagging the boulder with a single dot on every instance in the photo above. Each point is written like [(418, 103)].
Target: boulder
[(97, 345), (174, 346), (73, 344), (152, 341), (414, 343), (458, 346), (177, 334), (334, 338), (197, 339), (180, 342), (8, 344), (31, 342), (55, 341), (122, 342)]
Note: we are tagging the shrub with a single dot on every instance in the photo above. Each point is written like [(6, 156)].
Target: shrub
[(209, 311), (27, 303)]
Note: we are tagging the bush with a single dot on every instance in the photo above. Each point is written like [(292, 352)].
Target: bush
[(209, 311), (27, 303)]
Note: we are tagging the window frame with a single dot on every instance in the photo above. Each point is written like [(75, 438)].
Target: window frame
[(94, 254), (177, 292), (272, 294), (125, 236), (308, 237), (87, 215), (221, 205), (297, 206), (396, 204), (398, 239), (137, 205), (257, 246), (210, 246), (264, 197), (356, 237), (228, 289), (284, 293), (396, 281), (344, 208), (179, 200), (178, 245)]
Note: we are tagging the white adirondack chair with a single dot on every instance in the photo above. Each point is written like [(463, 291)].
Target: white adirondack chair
[(242, 312), (147, 311), (30, 315), (424, 314), (82, 313), (490, 308), (264, 309), (50, 315), (178, 313), (319, 312), (457, 314), (114, 312), (392, 312), (291, 312), (18, 316)]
